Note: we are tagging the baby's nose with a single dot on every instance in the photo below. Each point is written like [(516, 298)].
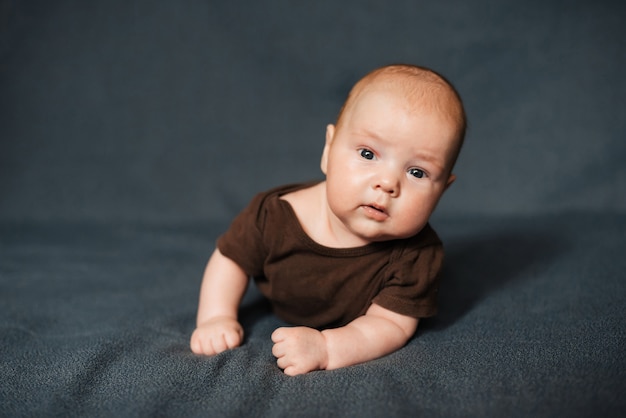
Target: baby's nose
[(389, 184)]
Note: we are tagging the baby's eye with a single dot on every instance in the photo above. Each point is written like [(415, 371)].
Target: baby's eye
[(417, 173), (367, 154)]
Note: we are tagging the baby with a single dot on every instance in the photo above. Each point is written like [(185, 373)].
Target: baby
[(352, 260)]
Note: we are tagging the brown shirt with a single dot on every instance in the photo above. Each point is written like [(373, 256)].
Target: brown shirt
[(313, 285)]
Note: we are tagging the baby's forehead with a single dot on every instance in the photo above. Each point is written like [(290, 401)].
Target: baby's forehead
[(417, 91), (413, 96)]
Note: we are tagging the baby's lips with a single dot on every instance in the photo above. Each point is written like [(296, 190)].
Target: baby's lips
[(375, 213)]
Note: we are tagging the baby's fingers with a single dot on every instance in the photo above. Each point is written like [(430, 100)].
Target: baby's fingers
[(278, 334), (195, 344), (213, 340), (218, 344), (225, 341), (290, 368), (233, 338), (201, 344)]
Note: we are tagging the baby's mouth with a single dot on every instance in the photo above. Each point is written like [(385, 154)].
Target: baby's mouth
[(380, 209), (378, 213)]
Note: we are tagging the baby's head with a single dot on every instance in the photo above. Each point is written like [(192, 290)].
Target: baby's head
[(389, 158), (422, 88)]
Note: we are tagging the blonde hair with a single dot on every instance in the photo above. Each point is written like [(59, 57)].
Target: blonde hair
[(421, 85)]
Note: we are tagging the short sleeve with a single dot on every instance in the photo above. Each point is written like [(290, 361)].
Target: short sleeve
[(413, 282), (243, 241)]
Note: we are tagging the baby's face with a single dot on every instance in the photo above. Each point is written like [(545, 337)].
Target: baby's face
[(387, 166)]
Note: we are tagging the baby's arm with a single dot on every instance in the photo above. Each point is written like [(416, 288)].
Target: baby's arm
[(223, 286), (373, 335)]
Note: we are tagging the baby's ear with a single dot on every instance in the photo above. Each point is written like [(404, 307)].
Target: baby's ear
[(450, 180), (330, 135)]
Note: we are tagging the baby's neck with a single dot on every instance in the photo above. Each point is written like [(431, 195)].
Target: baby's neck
[(318, 221)]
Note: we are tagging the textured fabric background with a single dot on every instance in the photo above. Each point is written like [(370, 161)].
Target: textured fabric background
[(162, 110), (132, 132)]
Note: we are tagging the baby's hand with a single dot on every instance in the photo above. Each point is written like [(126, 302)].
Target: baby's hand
[(216, 335), (299, 350)]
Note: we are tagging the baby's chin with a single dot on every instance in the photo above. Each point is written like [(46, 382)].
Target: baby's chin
[(370, 237), (396, 235)]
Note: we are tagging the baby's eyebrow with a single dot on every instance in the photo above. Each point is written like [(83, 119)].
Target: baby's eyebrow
[(427, 157), (370, 134), (431, 159)]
